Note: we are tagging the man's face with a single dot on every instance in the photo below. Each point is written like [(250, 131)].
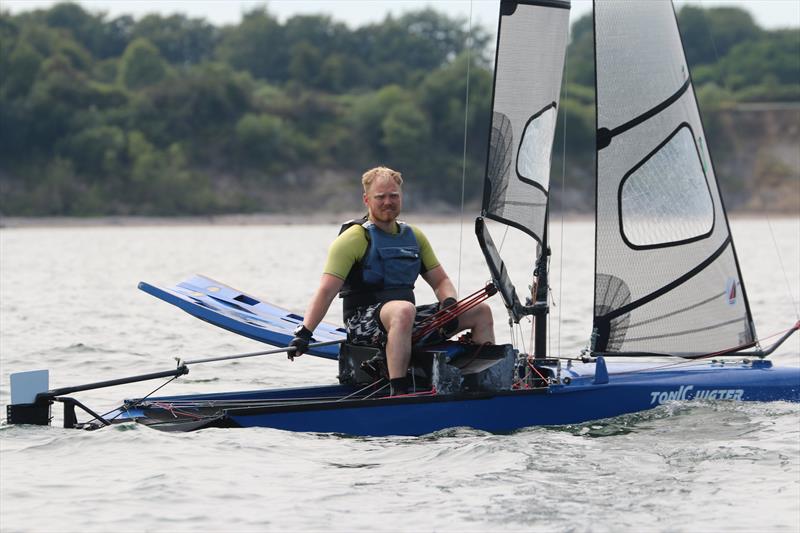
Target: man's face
[(384, 200)]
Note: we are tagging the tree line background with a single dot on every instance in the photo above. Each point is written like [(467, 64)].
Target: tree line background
[(169, 115)]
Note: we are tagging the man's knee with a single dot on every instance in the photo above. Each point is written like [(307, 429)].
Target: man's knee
[(483, 325), (398, 314), (485, 315), (478, 317)]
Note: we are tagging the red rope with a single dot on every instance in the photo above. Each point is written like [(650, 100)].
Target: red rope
[(443, 316), (532, 367)]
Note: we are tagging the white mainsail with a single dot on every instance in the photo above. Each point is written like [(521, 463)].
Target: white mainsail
[(666, 276)]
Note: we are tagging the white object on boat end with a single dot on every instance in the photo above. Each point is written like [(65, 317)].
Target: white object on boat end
[(26, 385)]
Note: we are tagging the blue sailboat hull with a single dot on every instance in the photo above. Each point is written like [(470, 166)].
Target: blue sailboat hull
[(630, 388)]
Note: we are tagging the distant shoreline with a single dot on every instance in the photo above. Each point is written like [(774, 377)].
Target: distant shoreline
[(267, 219)]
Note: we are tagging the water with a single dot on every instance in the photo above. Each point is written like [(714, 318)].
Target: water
[(68, 303)]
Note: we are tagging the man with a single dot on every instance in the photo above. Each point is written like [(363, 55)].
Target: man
[(374, 266)]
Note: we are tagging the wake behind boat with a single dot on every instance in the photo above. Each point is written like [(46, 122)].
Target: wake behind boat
[(667, 279)]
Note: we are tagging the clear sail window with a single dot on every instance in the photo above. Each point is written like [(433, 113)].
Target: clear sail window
[(665, 200), (533, 159)]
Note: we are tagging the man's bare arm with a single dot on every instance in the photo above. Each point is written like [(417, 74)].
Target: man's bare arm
[(329, 286), (440, 283)]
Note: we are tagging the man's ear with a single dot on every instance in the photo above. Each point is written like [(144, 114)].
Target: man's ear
[(364, 197)]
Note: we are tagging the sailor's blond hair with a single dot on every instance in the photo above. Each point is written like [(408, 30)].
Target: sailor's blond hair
[(379, 172)]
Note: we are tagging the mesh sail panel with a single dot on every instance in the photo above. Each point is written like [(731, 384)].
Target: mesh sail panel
[(531, 42), (667, 199), (666, 276)]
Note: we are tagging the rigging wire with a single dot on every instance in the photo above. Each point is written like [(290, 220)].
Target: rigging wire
[(503, 240), (158, 388), (783, 269), (359, 391), (376, 391), (766, 212), (464, 154), (521, 336), (563, 195)]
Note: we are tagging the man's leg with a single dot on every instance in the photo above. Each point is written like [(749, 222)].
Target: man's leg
[(397, 318), (479, 320)]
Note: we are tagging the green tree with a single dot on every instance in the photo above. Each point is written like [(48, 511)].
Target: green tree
[(145, 160), (259, 138), (161, 182), (406, 132), (116, 37), (443, 94), (367, 115), (305, 62), (340, 72), (576, 120), (71, 17), (695, 31), (97, 152), (141, 65), (55, 101), (256, 45), (774, 57), (179, 39), (319, 31), (22, 68), (402, 50), (709, 34), (580, 52), (205, 102)]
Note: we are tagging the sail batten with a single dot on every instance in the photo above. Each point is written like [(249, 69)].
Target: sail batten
[(665, 262), (604, 135), (691, 307), (666, 289), (672, 334)]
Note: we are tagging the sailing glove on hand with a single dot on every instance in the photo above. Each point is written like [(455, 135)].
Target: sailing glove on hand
[(452, 325), (447, 302), (302, 336)]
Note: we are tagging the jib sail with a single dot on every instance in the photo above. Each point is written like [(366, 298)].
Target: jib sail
[(667, 279), (531, 44)]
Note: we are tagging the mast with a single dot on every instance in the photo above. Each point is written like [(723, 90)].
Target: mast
[(541, 308)]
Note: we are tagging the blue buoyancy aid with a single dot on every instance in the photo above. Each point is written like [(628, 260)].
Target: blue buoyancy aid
[(387, 271)]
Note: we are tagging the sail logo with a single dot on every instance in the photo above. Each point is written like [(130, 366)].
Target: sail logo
[(731, 291), (687, 392)]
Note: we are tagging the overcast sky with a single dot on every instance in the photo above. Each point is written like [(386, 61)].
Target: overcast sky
[(768, 13)]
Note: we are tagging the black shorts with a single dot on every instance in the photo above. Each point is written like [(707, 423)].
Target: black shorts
[(365, 327)]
